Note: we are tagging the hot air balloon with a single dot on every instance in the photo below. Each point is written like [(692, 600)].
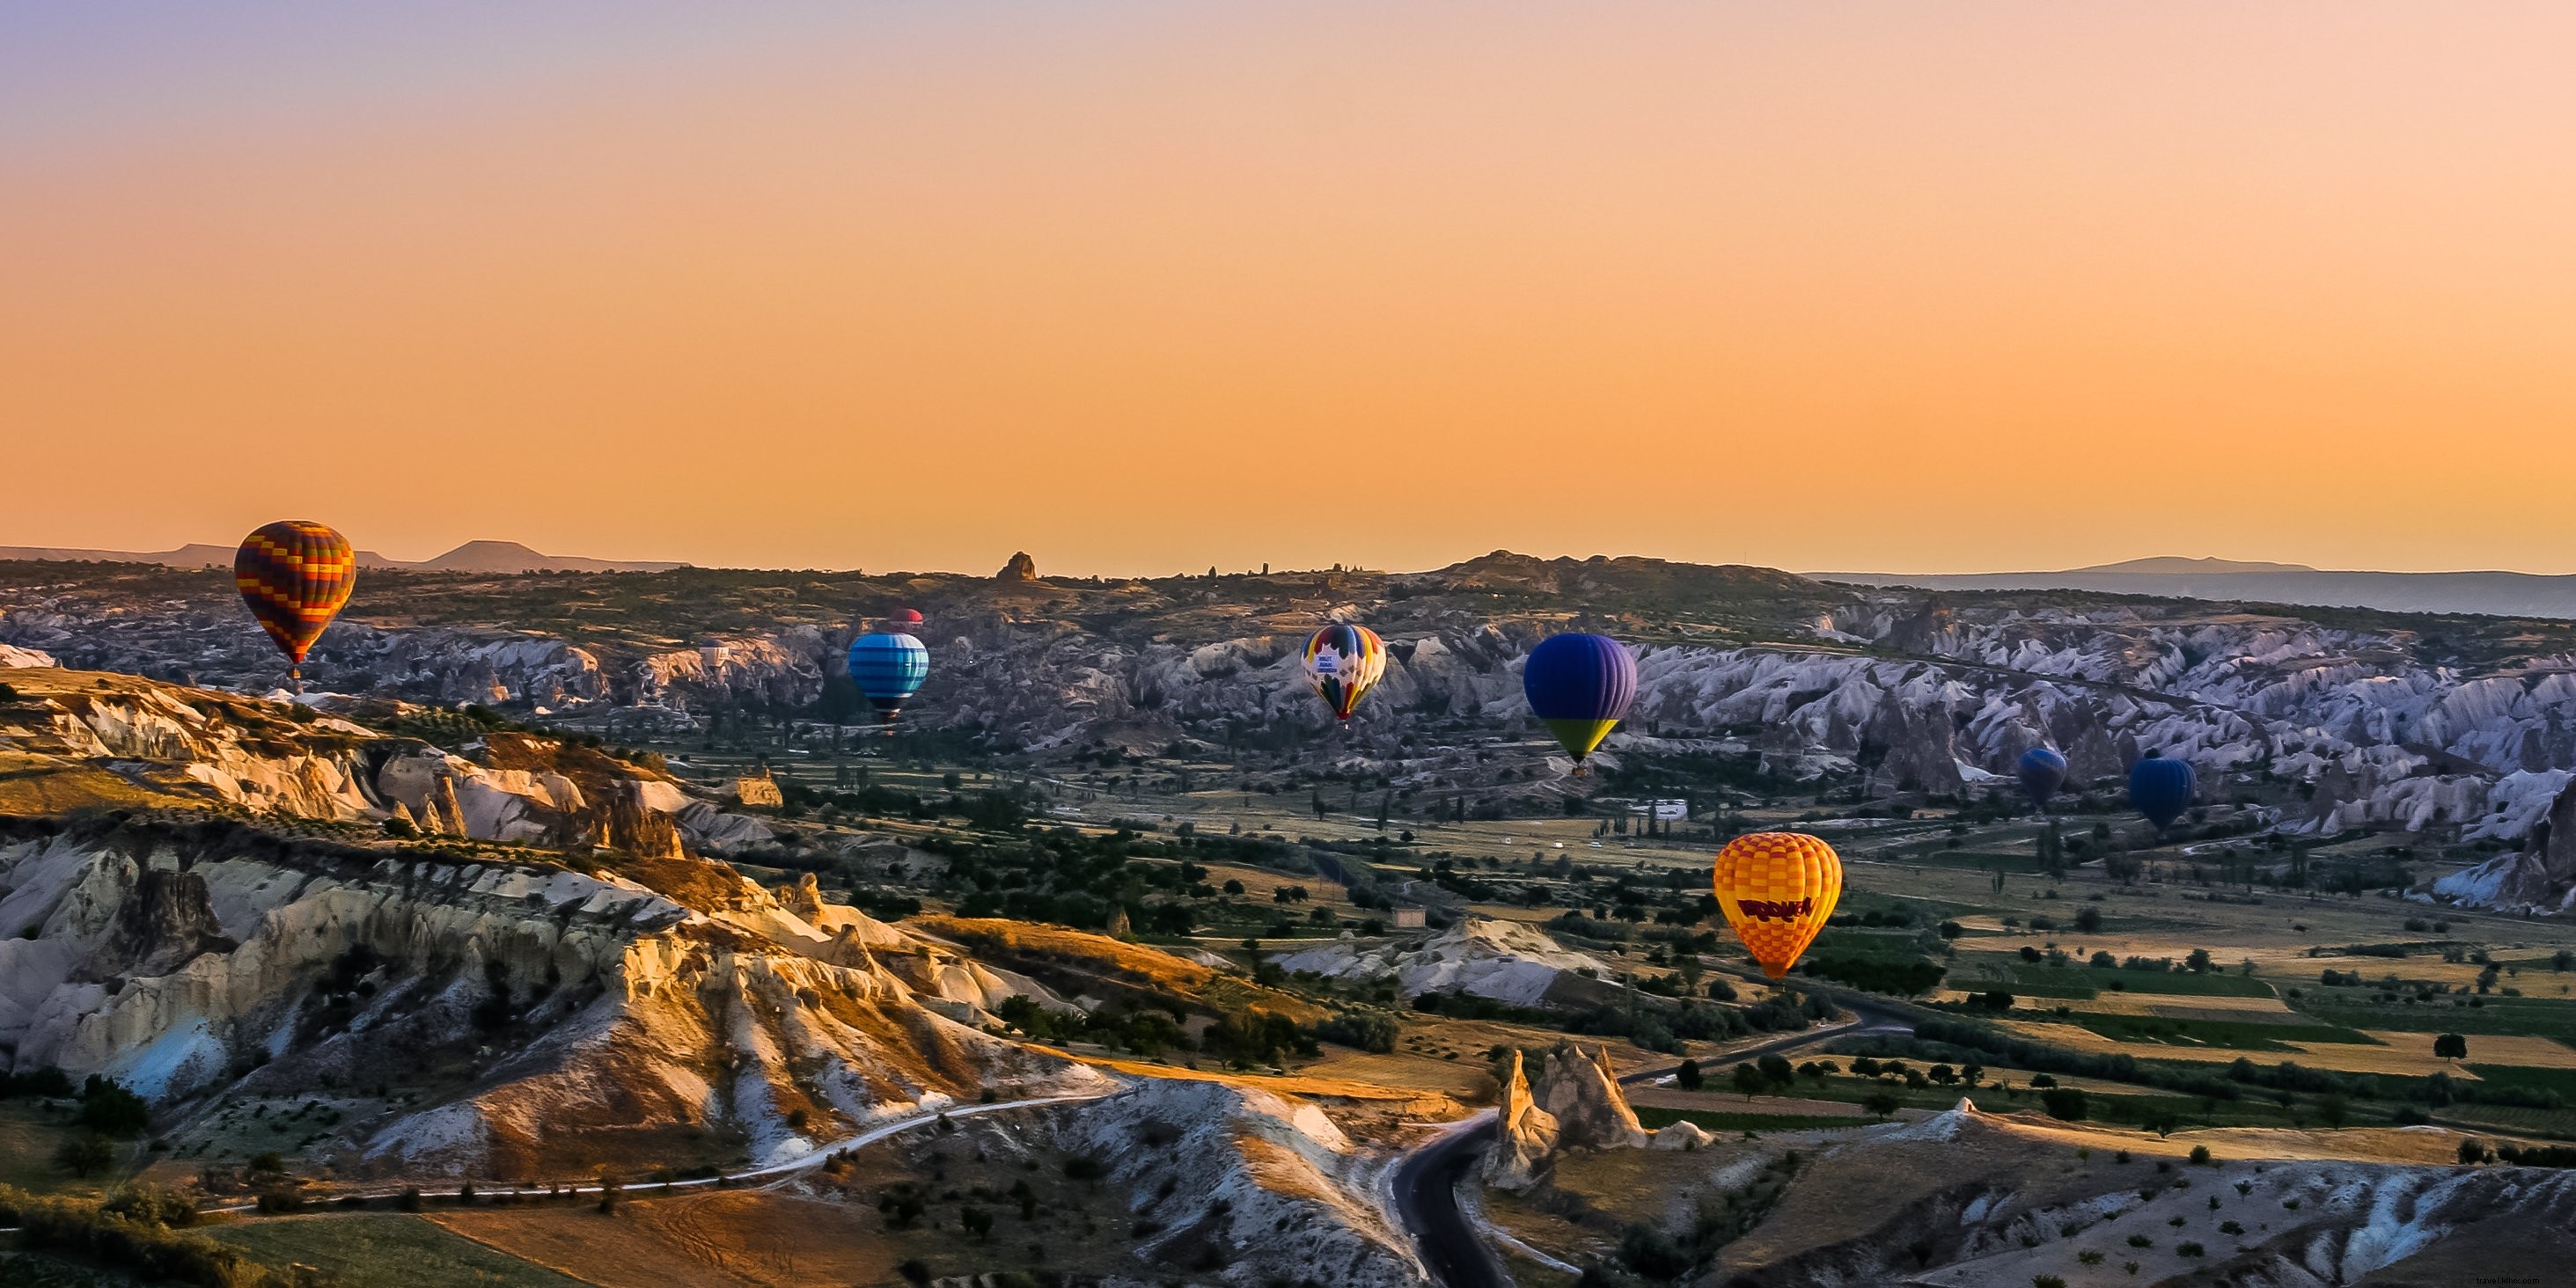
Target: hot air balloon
[(295, 575), (1777, 889), (888, 666), (2042, 772), (1579, 686), (2160, 788), (1344, 663)]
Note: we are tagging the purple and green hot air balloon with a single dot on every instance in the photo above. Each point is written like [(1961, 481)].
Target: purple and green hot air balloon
[(2042, 771), (2160, 788), (1579, 686)]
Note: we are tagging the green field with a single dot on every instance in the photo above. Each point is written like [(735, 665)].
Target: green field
[(28, 1137), (37, 1270), (2509, 1016), (1721, 1121), (386, 1250), (2235, 1035), (2036, 979), (2562, 1081)]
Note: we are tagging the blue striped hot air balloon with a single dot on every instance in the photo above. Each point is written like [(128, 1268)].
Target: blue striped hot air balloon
[(888, 666), (2042, 772), (2161, 788), (1579, 686)]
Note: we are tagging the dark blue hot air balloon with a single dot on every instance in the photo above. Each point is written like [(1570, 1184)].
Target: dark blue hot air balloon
[(2160, 788), (1579, 686), (888, 666), (2042, 772)]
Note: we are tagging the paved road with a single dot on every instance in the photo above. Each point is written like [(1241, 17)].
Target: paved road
[(1426, 1183)]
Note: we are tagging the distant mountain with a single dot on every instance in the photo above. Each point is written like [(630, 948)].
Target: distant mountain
[(2497, 594), (473, 556), (510, 556), (2166, 565)]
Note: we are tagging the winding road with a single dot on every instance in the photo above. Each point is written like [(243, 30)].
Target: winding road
[(1426, 1182)]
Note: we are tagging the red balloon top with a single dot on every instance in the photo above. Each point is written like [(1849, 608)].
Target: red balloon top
[(905, 617)]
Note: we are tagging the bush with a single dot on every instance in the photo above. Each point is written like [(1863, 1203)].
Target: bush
[(110, 1110), (1372, 1033), (2200, 1155), (85, 1155), (2063, 1102)]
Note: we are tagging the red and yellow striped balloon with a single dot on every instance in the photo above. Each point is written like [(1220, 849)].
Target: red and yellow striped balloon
[(1777, 889), (295, 575)]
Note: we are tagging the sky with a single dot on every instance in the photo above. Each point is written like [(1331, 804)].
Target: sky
[(1153, 287)]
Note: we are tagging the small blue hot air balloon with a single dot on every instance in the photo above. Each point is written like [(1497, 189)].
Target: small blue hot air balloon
[(2042, 772), (888, 666), (1579, 686), (2160, 788)]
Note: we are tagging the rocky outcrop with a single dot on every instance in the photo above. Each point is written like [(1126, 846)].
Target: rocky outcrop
[(1019, 568), (1576, 1103), (588, 1012), (2541, 877), (1508, 961), (1264, 1184), (1526, 1135)]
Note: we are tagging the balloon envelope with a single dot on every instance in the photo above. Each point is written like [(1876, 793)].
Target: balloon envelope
[(1344, 663), (2161, 788), (1777, 889), (888, 668), (295, 575), (2042, 772), (1579, 686)]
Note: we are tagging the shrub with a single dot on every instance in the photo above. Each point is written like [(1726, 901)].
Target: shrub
[(2190, 1250), (2063, 1102), (2200, 1155)]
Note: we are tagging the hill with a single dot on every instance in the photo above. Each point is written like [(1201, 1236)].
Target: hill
[(473, 556), (2502, 594)]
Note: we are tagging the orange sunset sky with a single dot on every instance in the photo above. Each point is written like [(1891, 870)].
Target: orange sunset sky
[(1149, 287)]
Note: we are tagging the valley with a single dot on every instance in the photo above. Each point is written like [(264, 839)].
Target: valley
[(1116, 960)]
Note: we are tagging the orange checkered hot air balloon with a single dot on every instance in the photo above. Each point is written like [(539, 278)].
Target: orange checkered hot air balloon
[(1777, 889), (295, 575)]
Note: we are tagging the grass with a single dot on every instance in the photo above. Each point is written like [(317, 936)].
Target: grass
[(2235, 1035), (2512, 1016), (387, 1250), (1717, 1120), (37, 1270), (2562, 1081), (2041, 980), (29, 1135)]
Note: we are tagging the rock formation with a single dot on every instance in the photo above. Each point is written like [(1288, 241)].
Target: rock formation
[(1575, 1104), (1526, 1135), (2541, 877), (1020, 568)]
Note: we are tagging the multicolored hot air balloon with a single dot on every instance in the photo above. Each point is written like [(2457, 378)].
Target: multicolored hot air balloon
[(1579, 686), (2042, 772), (1777, 889), (295, 575), (2161, 788), (1343, 663), (888, 666)]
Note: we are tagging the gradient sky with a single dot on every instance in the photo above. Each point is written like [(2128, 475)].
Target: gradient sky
[(1148, 287)]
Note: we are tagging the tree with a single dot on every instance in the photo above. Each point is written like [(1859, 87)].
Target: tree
[(2198, 962), (85, 1155), (2472, 1151), (1880, 1104), (1689, 1077), (2451, 1046), (1750, 1081), (2089, 920), (2063, 1102), (977, 1222)]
